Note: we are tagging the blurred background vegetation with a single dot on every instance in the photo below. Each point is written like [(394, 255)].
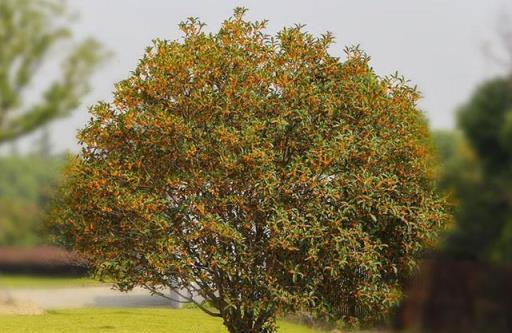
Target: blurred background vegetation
[(31, 31), (477, 174), (27, 184)]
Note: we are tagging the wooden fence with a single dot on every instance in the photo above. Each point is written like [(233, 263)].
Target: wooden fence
[(458, 296)]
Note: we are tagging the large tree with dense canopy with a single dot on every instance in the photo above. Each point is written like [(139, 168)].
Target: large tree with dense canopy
[(257, 172)]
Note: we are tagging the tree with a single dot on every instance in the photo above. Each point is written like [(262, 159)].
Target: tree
[(459, 165), (27, 184), (257, 172), (43, 145), (29, 31), (484, 226)]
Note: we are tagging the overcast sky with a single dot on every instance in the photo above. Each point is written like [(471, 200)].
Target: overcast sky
[(437, 44)]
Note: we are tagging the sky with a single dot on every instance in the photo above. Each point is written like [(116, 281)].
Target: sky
[(436, 44)]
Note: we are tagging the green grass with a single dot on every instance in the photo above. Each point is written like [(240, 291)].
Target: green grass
[(27, 281), (125, 321)]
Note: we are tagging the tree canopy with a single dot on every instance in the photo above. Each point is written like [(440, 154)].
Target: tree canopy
[(30, 30), (481, 180), (257, 172)]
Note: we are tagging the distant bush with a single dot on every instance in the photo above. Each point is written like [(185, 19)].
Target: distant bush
[(477, 172), (27, 184)]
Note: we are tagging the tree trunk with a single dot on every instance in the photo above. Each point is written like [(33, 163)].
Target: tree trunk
[(238, 323)]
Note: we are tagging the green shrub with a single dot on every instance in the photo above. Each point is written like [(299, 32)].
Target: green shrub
[(27, 184)]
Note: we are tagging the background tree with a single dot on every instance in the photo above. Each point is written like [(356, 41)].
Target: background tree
[(484, 224), (29, 31), (257, 172), (27, 184)]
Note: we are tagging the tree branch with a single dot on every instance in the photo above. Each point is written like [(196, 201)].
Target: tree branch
[(161, 294), (199, 305), (188, 299)]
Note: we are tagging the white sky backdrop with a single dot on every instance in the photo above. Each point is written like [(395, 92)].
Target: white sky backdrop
[(437, 44)]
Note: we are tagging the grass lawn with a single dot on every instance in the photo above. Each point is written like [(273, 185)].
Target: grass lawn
[(125, 321), (27, 281)]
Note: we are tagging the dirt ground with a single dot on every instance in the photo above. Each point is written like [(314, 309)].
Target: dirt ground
[(11, 306)]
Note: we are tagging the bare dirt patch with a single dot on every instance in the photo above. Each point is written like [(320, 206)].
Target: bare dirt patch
[(10, 306)]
